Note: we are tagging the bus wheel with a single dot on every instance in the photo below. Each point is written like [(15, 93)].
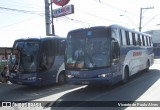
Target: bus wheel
[(147, 66), (62, 79), (126, 75)]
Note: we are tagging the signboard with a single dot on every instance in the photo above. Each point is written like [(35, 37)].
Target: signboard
[(66, 10), (61, 2)]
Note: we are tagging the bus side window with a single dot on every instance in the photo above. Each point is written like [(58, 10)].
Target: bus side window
[(124, 42), (150, 41), (121, 38), (134, 38), (143, 40), (139, 40), (62, 47), (115, 51), (130, 38), (47, 55), (127, 37), (115, 35), (147, 41)]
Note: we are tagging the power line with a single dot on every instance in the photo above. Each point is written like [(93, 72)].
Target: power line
[(74, 20), (90, 14), (104, 19), (83, 22), (78, 21), (21, 4), (6, 26), (113, 7), (22, 11), (109, 5)]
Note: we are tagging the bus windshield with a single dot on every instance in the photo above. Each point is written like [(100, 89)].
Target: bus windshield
[(88, 50), (24, 56)]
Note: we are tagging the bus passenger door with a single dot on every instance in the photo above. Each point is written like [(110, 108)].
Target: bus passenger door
[(115, 61)]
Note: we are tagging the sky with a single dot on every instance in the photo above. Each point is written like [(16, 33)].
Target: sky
[(26, 18)]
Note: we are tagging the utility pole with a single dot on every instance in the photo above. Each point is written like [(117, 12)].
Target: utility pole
[(141, 12), (53, 33), (48, 18)]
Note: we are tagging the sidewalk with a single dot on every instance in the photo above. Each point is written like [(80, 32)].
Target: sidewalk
[(157, 60)]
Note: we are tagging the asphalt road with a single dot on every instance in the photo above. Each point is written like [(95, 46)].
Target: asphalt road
[(144, 86)]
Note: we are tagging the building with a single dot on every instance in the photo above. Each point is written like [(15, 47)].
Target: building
[(156, 41)]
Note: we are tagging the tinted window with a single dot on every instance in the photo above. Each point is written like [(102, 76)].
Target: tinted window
[(127, 37), (88, 49)]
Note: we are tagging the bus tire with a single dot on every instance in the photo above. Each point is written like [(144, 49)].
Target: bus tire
[(61, 78), (126, 75), (147, 66)]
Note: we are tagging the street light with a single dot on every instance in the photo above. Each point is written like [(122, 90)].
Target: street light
[(140, 21)]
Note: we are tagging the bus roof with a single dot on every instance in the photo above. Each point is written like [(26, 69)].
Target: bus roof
[(86, 29), (39, 39), (125, 28), (105, 27)]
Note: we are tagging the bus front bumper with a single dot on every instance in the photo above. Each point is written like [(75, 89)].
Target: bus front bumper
[(24, 79), (92, 81), (25, 82)]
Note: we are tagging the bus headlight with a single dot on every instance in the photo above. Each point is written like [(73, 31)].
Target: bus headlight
[(70, 76), (104, 75), (31, 78)]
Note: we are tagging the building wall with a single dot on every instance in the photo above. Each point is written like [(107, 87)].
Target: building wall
[(155, 35), (156, 41)]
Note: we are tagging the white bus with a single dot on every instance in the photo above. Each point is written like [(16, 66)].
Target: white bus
[(106, 54)]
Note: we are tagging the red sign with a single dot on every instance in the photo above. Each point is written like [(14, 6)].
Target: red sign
[(61, 2)]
